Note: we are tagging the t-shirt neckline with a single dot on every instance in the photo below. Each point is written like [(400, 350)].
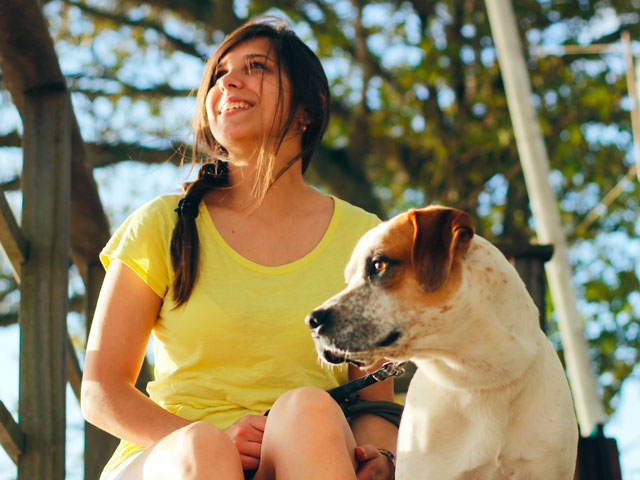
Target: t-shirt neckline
[(279, 269)]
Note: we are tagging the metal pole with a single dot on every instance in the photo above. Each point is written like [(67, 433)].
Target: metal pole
[(535, 165)]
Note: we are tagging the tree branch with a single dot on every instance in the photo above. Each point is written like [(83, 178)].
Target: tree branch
[(458, 75), (76, 304), (366, 56), (178, 43), (210, 14), (161, 90), (11, 139), (104, 154), (9, 185), (331, 168)]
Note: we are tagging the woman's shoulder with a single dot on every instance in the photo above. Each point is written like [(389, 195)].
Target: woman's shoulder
[(160, 207), (167, 202), (353, 213), (155, 216)]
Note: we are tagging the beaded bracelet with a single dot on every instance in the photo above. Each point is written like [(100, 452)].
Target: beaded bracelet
[(392, 459)]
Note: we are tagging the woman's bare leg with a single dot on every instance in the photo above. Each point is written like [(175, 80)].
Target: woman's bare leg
[(197, 451), (307, 436)]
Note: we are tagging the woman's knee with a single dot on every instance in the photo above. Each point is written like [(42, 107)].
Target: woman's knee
[(201, 448), (306, 421), (203, 437), (307, 402), (192, 452)]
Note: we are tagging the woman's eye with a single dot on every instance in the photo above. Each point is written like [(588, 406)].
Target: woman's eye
[(217, 76), (257, 66)]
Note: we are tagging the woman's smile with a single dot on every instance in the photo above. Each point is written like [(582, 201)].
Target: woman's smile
[(234, 106)]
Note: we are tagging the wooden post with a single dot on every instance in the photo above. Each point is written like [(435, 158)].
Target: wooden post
[(529, 261), (43, 303)]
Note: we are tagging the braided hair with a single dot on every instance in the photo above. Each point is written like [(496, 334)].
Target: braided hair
[(185, 244)]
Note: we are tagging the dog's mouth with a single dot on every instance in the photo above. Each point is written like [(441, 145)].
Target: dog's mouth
[(336, 356), (390, 339)]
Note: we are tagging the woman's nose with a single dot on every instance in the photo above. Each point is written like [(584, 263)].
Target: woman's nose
[(231, 80)]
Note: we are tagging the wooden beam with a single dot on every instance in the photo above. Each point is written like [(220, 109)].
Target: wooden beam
[(12, 241), (28, 61), (44, 288), (74, 372), (11, 437)]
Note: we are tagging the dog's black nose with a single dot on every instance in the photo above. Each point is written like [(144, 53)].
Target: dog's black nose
[(317, 318)]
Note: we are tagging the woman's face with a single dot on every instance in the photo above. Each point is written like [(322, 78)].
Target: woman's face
[(242, 104)]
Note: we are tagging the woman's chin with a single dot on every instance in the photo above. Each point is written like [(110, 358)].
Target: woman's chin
[(245, 143)]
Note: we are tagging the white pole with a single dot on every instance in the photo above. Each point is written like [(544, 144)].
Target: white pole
[(535, 165), (636, 138), (635, 101)]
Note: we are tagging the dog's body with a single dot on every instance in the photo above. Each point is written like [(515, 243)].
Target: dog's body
[(489, 399)]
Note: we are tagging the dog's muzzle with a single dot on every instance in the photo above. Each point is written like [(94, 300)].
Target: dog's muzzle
[(319, 321), (338, 345)]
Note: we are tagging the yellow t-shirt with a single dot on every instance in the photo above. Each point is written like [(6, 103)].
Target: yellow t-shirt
[(240, 341)]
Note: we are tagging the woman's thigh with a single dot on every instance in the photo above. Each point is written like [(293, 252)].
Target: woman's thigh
[(119, 472)]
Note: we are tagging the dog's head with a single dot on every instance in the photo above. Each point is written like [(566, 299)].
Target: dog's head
[(403, 276)]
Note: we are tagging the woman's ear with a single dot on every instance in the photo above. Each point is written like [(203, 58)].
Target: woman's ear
[(440, 234), (302, 118)]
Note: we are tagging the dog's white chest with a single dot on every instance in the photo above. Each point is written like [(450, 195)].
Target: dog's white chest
[(417, 440), (441, 436)]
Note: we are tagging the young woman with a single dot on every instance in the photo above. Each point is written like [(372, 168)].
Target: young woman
[(224, 276)]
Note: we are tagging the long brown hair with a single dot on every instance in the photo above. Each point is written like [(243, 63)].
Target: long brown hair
[(309, 91)]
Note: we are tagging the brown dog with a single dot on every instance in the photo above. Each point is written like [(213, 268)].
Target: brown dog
[(489, 399)]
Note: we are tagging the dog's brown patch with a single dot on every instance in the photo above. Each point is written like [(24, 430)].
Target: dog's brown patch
[(428, 246)]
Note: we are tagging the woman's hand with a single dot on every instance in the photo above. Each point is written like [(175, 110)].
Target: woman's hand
[(372, 465), (246, 433)]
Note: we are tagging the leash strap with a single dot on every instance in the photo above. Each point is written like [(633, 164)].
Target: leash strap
[(389, 369)]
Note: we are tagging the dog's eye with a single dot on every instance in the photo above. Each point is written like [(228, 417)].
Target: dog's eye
[(380, 266)]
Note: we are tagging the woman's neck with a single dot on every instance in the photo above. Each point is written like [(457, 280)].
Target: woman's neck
[(284, 194), (287, 188)]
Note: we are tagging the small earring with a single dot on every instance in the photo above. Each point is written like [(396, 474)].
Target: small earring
[(303, 127)]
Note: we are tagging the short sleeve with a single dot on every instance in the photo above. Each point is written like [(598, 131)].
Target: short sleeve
[(143, 242)]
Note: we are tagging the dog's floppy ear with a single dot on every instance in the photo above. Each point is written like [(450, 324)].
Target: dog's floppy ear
[(439, 234)]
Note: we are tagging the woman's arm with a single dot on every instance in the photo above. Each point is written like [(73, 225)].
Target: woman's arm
[(125, 315)]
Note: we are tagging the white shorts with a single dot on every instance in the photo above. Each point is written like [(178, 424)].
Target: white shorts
[(118, 472)]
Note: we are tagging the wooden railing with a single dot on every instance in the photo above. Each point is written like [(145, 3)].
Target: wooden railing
[(60, 225)]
